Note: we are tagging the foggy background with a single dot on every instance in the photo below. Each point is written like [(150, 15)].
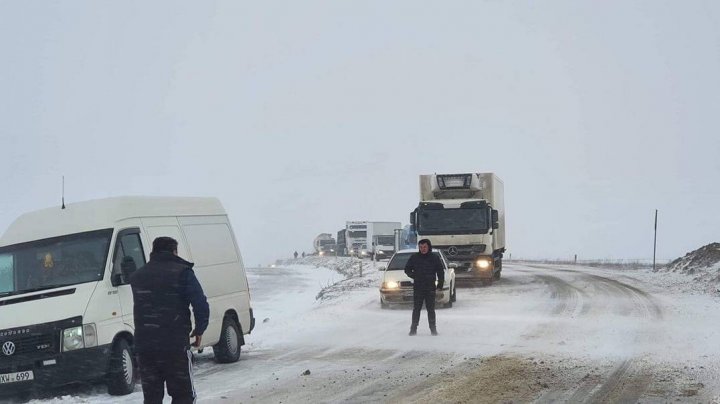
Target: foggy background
[(302, 115)]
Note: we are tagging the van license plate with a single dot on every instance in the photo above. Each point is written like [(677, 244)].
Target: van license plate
[(17, 377)]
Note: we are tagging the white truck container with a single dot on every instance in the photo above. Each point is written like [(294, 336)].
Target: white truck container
[(66, 307), (464, 216)]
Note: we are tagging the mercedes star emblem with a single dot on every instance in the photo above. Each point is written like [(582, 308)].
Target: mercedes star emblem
[(452, 250)]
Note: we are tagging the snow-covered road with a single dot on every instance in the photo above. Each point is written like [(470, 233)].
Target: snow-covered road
[(542, 333)]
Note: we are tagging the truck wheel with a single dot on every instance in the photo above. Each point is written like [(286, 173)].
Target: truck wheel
[(383, 305), (496, 275), (122, 368), (227, 350), (453, 296)]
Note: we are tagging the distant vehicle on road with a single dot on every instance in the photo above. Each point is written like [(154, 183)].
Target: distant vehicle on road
[(397, 287)]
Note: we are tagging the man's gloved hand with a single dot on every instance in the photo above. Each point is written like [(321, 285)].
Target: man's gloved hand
[(439, 286)]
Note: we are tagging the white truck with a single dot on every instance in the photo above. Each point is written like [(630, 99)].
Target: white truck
[(382, 235), (324, 243), (362, 234), (464, 216)]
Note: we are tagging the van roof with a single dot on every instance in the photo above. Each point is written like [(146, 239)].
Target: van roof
[(102, 214)]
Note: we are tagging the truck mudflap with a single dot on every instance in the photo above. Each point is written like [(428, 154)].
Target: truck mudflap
[(252, 321)]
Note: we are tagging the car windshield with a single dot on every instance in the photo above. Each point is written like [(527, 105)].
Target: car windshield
[(398, 261), (60, 261)]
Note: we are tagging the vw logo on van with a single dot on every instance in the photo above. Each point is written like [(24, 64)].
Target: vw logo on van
[(8, 348), (452, 250)]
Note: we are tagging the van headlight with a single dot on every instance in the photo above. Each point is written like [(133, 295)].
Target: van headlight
[(483, 263), (73, 339), (79, 337)]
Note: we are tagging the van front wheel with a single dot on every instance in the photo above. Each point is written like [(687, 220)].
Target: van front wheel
[(122, 373), (227, 350)]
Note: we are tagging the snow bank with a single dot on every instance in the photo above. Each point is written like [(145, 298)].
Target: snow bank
[(703, 265)]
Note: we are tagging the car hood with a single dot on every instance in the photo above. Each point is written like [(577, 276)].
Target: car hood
[(45, 306), (395, 275)]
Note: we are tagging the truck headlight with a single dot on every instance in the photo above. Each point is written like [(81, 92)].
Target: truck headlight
[(391, 285), (79, 337), (381, 252), (321, 253), (483, 263)]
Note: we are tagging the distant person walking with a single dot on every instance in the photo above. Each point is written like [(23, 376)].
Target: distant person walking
[(163, 290), (303, 254), (295, 254), (424, 268)]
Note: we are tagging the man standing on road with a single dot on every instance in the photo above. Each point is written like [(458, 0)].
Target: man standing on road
[(424, 268), (163, 289)]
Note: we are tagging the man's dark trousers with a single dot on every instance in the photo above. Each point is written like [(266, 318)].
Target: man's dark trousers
[(165, 366), (420, 296)]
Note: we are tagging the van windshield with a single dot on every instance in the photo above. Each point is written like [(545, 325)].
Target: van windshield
[(54, 262)]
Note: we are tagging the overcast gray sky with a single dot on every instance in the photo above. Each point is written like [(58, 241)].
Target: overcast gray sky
[(302, 115)]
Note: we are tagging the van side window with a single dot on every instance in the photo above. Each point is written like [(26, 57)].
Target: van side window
[(128, 246), (7, 278)]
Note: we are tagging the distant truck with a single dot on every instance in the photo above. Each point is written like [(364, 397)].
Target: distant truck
[(341, 242), (362, 236), (382, 235), (464, 216), (324, 243)]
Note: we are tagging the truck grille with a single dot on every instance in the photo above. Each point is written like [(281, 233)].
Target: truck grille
[(453, 252), (30, 344)]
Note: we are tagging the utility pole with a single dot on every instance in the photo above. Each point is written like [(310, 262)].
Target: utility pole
[(655, 240)]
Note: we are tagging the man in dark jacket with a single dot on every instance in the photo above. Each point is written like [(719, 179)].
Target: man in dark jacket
[(424, 268), (163, 289)]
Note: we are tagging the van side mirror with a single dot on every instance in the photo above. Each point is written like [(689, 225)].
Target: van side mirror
[(381, 268), (452, 265), (412, 217), (495, 219)]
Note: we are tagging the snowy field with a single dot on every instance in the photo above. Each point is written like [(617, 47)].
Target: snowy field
[(543, 333)]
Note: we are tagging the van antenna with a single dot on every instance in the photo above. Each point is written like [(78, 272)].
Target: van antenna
[(63, 192)]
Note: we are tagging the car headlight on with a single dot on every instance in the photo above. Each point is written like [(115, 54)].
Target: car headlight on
[(322, 253), (391, 285), (73, 339), (483, 263), (381, 252)]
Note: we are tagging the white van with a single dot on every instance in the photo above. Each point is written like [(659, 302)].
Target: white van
[(66, 308)]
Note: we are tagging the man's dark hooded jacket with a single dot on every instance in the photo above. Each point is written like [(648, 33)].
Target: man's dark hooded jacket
[(162, 290), (424, 268)]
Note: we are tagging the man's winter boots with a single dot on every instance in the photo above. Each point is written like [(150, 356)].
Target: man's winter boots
[(433, 331), (413, 331)]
